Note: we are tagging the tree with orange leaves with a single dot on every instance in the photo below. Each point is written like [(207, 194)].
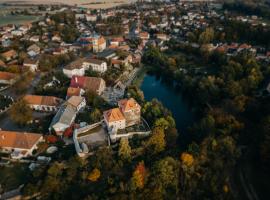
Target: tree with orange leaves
[(94, 175), (187, 159), (139, 176)]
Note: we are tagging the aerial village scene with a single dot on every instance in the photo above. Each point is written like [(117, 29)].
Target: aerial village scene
[(134, 100)]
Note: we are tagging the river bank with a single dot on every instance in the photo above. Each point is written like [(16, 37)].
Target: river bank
[(171, 97)]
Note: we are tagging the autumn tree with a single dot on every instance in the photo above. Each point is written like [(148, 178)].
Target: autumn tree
[(93, 99), (20, 112), (187, 159), (156, 142), (94, 175), (136, 93), (95, 115), (52, 182), (165, 173), (206, 36), (23, 83), (124, 151), (139, 176)]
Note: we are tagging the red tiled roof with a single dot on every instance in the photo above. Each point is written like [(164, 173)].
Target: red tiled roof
[(7, 76), (9, 53), (42, 100), (10, 139), (128, 104), (113, 115), (118, 39), (86, 83), (73, 91)]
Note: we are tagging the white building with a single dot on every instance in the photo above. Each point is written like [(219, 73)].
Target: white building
[(95, 64), (32, 64), (75, 68), (43, 103), (19, 144), (91, 18), (77, 101), (34, 38), (114, 119)]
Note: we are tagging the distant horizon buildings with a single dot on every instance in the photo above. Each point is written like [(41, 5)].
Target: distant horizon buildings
[(103, 4)]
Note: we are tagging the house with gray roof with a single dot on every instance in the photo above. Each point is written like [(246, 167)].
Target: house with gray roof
[(66, 115), (63, 119)]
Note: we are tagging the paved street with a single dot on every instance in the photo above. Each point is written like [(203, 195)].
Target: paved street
[(5, 122)]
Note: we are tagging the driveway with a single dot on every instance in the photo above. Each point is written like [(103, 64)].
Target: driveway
[(5, 122)]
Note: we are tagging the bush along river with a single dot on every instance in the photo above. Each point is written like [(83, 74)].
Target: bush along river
[(171, 97)]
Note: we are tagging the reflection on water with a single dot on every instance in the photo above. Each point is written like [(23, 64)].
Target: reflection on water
[(170, 98)]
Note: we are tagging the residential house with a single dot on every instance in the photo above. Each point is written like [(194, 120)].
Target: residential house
[(93, 84), (2, 64), (6, 42), (144, 36), (9, 55), (99, 44), (34, 38), (32, 64), (66, 115), (91, 18), (42, 23), (95, 64), (124, 61), (124, 48), (17, 33), (25, 28), (43, 103), (74, 92), (7, 36), (128, 114), (79, 16), (131, 111), (117, 41), (8, 28), (162, 36), (107, 54), (33, 50), (232, 49), (7, 78), (60, 51), (77, 101), (75, 68), (19, 144), (114, 119), (56, 38), (63, 119)]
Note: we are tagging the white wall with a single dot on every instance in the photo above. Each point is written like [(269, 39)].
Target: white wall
[(74, 72)]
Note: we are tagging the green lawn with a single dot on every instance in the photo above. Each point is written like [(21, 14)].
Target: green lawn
[(13, 176)]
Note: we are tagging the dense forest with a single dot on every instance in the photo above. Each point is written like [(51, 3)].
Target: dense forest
[(234, 118)]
